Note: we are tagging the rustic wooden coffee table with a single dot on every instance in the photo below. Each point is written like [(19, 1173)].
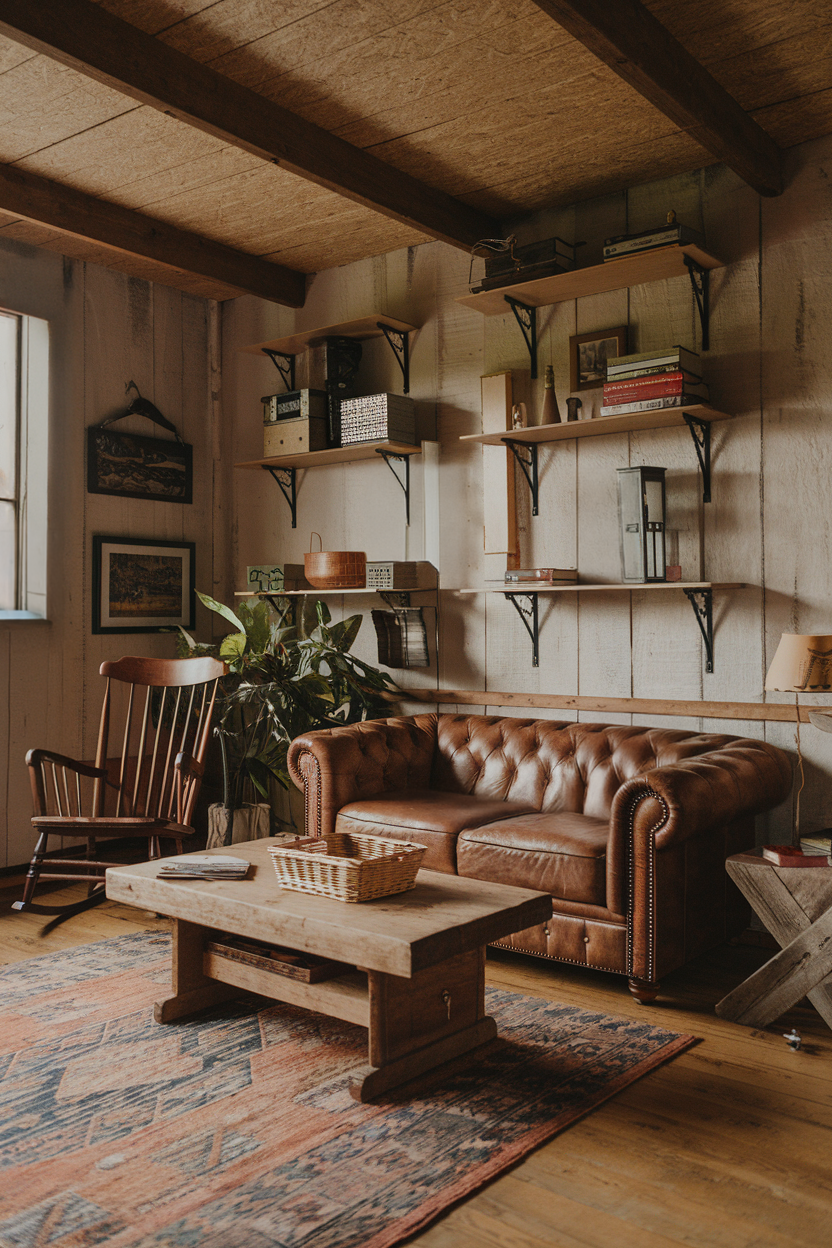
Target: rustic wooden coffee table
[(417, 959)]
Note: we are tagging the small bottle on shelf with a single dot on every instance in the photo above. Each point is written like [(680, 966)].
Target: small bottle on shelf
[(550, 414)]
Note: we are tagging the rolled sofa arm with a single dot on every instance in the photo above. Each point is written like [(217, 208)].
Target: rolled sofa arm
[(678, 801), (335, 766)]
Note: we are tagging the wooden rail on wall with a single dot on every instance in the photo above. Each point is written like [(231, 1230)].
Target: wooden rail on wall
[(775, 711)]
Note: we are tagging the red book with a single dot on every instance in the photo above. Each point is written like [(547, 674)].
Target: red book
[(793, 856), (639, 391)]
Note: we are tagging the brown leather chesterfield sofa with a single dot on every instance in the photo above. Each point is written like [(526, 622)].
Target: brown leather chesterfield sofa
[(628, 827)]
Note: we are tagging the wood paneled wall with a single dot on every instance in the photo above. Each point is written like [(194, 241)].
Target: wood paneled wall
[(106, 329), (769, 522)]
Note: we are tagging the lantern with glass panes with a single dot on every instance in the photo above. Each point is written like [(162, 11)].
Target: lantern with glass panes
[(641, 518)]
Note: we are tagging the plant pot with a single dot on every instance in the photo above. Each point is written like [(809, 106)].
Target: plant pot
[(249, 823)]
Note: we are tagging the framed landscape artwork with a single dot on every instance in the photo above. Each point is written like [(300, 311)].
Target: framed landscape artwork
[(132, 466), (141, 585), (588, 355)]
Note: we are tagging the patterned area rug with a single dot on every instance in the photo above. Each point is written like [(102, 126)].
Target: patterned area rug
[(237, 1130)]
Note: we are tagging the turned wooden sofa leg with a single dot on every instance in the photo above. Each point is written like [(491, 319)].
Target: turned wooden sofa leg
[(645, 993)]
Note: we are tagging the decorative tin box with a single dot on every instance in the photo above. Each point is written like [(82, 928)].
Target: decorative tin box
[(378, 418), (392, 575)]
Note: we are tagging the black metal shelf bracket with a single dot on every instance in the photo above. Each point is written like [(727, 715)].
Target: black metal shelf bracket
[(700, 280), (396, 600), (700, 431), (388, 457), (702, 602), (285, 365), (399, 342), (529, 466), (286, 479), (528, 614), (526, 318)]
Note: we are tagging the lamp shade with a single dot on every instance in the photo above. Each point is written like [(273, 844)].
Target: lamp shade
[(801, 664)]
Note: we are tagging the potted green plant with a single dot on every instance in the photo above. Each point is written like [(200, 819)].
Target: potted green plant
[(289, 673)]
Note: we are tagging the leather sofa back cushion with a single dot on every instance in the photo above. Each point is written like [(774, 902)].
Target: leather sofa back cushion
[(552, 765)]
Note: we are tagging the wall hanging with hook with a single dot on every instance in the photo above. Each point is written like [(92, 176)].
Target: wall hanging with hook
[(132, 465)]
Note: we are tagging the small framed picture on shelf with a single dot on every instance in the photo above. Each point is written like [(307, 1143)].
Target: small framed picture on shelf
[(141, 585), (588, 355)]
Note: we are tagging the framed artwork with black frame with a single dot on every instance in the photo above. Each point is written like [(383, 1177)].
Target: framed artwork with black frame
[(130, 465), (141, 585), (588, 355)]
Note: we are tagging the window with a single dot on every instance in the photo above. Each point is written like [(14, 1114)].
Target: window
[(24, 358)]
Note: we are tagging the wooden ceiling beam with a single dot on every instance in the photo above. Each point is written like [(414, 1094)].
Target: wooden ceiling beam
[(85, 37), (72, 212), (632, 42)]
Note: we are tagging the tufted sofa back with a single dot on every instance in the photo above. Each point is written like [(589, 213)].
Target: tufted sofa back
[(555, 766)]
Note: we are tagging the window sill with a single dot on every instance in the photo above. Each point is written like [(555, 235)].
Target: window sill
[(26, 617)]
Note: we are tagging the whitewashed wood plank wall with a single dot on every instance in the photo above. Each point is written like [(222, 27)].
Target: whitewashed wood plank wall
[(770, 518)]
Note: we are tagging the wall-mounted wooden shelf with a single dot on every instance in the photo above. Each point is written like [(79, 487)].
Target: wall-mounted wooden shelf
[(282, 351), (283, 468), (334, 455), (426, 574), (626, 422), (524, 298), (597, 279), (521, 442), (582, 587), (362, 329), (699, 594)]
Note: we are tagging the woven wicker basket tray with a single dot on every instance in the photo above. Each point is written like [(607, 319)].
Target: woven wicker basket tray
[(348, 867)]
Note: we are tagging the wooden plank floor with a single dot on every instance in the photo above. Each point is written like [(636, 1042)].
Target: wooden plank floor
[(728, 1146)]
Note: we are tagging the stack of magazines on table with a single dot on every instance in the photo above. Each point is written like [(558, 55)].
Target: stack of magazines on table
[(203, 867), (651, 380)]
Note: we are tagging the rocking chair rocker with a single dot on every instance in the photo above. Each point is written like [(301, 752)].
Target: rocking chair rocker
[(149, 793)]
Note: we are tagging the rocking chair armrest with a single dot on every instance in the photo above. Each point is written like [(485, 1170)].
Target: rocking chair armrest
[(187, 762), (34, 758)]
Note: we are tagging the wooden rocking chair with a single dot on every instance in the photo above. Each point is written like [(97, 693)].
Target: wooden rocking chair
[(150, 792)]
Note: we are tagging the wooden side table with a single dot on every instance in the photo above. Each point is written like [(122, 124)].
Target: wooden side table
[(795, 903)]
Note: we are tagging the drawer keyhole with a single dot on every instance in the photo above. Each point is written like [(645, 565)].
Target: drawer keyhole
[(446, 997)]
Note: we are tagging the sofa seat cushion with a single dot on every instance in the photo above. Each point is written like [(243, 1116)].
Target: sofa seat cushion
[(428, 816), (564, 853)]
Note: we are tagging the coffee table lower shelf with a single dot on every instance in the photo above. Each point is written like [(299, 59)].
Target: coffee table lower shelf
[(414, 1023)]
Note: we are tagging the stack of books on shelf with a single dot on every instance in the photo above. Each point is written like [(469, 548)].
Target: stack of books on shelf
[(647, 240), (540, 577), (652, 380)]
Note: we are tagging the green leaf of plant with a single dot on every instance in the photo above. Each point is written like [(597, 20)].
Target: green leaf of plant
[(220, 609), (233, 646)]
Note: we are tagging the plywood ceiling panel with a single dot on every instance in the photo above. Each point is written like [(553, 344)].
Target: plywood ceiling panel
[(488, 100)]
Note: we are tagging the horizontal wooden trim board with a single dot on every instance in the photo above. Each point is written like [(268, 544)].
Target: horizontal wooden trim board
[(775, 712)]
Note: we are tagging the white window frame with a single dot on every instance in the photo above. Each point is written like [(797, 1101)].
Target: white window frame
[(33, 468)]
